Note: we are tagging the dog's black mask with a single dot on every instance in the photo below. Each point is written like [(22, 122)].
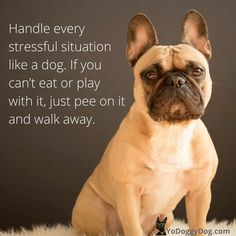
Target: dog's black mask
[(175, 97)]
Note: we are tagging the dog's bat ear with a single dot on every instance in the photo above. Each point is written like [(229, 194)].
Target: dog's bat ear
[(141, 36), (195, 32), (164, 221)]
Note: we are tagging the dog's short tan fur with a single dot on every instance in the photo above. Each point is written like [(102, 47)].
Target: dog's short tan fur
[(149, 166)]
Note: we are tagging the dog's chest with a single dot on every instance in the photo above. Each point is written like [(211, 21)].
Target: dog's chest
[(171, 149), (170, 156), (162, 193)]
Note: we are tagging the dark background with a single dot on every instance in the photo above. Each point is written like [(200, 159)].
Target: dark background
[(42, 169)]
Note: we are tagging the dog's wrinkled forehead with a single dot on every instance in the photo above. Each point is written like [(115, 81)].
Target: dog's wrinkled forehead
[(170, 58)]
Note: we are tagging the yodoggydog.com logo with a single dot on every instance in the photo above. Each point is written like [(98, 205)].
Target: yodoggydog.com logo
[(188, 232)]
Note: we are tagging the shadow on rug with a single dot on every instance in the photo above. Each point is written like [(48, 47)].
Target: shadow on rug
[(179, 228)]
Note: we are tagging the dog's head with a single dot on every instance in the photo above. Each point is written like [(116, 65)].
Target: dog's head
[(172, 83)]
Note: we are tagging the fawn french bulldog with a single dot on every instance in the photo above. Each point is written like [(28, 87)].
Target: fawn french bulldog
[(162, 151)]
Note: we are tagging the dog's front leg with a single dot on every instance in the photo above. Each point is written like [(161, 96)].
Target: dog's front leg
[(197, 206), (128, 208)]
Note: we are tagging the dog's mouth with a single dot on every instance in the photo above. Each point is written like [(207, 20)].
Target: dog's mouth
[(176, 104)]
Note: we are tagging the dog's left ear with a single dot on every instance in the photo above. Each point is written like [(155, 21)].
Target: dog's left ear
[(141, 36), (195, 32)]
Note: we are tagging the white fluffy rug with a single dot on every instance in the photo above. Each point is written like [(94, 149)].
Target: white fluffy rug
[(178, 229)]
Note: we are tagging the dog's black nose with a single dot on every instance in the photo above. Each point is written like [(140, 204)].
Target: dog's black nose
[(174, 80)]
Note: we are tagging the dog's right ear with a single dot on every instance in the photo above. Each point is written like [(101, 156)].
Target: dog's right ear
[(195, 32), (141, 36)]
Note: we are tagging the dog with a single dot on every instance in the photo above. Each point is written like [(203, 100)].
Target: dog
[(162, 151), (160, 226)]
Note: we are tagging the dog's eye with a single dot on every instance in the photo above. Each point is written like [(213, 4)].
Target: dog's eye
[(151, 75), (197, 71)]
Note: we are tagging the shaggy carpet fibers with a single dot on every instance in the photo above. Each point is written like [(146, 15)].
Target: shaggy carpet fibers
[(177, 229)]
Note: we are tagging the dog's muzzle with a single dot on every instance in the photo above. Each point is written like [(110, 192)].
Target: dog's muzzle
[(176, 99), (175, 79)]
